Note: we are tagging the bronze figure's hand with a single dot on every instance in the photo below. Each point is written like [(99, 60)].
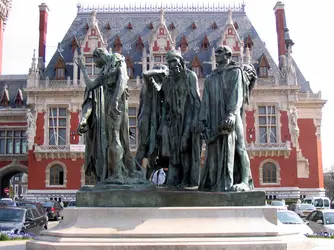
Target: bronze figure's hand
[(80, 64), (114, 112), (156, 85), (229, 122), (82, 128)]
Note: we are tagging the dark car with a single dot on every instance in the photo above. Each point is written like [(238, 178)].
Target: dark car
[(54, 209), (36, 205), (21, 220)]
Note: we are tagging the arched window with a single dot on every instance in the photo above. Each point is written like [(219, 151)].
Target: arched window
[(269, 173), (90, 180), (56, 175)]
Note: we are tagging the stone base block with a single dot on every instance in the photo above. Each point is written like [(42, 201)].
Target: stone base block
[(165, 197), (228, 228)]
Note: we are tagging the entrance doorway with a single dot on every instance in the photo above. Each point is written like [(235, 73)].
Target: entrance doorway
[(6, 174)]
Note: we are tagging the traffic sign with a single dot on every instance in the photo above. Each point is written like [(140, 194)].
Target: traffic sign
[(6, 190)]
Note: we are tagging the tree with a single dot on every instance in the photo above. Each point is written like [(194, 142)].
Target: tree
[(329, 183)]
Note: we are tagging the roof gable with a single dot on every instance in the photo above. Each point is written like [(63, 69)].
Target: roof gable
[(146, 23)]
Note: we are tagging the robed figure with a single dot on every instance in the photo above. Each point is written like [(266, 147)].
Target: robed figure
[(227, 165), (149, 119), (180, 143)]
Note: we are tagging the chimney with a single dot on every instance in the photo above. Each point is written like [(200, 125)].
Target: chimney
[(43, 23), (280, 26)]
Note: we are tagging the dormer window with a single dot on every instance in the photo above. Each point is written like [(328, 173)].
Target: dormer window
[(263, 71), (118, 45), (5, 97), (60, 69), (205, 43), (139, 44), (184, 44), (129, 66), (60, 74), (19, 98), (263, 67), (196, 66)]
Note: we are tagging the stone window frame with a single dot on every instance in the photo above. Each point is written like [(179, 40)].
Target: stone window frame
[(278, 121), (46, 121), (47, 174), (278, 172)]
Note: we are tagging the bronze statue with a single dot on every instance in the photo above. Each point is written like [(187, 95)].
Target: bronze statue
[(226, 89), (149, 119), (105, 119), (181, 104)]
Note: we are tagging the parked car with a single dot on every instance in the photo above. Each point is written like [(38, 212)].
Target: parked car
[(318, 202), (53, 209), (21, 220), (293, 222), (321, 221), (72, 203), (302, 209), (280, 205), (38, 206)]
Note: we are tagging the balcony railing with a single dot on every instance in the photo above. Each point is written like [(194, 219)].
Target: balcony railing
[(60, 148), (309, 95), (269, 149), (60, 84), (73, 151)]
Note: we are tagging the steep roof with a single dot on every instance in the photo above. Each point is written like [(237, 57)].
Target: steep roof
[(182, 21), (13, 85)]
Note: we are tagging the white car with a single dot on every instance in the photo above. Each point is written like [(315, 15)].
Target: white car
[(72, 203), (321, 221), (290, 221)]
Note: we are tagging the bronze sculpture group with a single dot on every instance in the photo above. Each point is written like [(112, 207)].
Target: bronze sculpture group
[(173, 122)]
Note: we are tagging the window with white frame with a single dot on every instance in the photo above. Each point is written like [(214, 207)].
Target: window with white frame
[(235, 58), (57, 126), (13, 142), (159, 59), (267, 124), (56, 175), (269, 173), (91, 67), (133, 125), (263, 71)]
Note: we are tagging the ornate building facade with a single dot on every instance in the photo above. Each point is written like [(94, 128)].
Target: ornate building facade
[(13, 122), (282, 122)]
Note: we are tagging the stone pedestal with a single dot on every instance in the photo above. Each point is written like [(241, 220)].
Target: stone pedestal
[(137, 228), (165, 197)]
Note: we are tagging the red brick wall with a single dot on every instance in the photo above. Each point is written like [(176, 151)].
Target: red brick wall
[(285, 133), (250, 129), (74, 137), (39, 138), (288, 170), (38, 168), (310, 146), (17, 124)]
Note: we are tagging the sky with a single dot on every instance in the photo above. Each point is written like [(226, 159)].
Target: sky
[(308, 22)]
